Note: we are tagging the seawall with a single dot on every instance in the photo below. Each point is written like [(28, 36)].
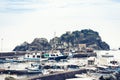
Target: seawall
[(57, 76)]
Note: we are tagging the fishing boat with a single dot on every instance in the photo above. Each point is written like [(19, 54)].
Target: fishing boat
[(32, 56), (104, 69), (56, 55), (34, 69)]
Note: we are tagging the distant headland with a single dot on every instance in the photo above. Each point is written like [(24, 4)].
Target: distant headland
[(88, 37)]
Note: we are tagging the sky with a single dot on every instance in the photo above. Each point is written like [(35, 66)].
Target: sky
[(24, 20)]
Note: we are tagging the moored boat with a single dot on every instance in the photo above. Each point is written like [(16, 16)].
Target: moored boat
[(34, 69), (107, 55), (56, 55), (32, 57), (81, 79)]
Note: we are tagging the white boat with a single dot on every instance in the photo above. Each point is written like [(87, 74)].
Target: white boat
[(34, 69), (85, 77), (81, 79), (80, 75), (113, 64), (107, 55), (32, 57), (15, 59)]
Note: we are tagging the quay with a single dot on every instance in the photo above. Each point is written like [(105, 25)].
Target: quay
[(18, 72), (12, 54), (57, 76)]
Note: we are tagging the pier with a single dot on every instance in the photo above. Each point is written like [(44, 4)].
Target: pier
[(18, 72), (52, 76), (57, 76)]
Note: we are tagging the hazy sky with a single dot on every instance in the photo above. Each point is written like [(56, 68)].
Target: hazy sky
[(24, 20)]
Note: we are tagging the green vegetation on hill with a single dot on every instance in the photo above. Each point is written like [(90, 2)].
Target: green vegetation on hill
[(69, 39)]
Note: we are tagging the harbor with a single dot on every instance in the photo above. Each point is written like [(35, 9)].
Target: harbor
[(59, 40), (64, 69)]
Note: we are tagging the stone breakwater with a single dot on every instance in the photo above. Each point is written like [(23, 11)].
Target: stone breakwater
[(12, 54), (57, 76)]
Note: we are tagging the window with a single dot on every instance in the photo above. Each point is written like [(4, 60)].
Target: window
[(38, 56), (33, 56)]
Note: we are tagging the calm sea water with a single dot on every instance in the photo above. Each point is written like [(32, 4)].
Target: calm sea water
[(21, 66)]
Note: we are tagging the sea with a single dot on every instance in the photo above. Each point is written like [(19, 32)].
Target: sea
[(20, 66)]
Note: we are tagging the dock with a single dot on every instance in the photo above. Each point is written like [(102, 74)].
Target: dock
[(17, 72), (52, 76), (57, 76)]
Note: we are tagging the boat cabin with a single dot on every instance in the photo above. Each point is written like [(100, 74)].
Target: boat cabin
[(32, 56)]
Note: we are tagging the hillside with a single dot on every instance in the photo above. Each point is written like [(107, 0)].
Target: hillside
[(69, 39)]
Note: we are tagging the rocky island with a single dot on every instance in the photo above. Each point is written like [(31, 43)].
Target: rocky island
[(89, 37)]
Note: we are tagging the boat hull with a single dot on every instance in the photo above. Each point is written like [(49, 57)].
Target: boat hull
[(58, 58)]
